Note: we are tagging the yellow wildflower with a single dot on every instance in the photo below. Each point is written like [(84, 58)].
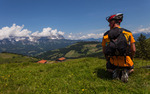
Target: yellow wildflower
[(82, 89)]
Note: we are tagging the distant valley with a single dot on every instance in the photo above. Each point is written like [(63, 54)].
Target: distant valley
[(77, 50), (38, 45)]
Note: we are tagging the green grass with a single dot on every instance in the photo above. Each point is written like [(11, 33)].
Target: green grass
[(74, 76), (15, 58)]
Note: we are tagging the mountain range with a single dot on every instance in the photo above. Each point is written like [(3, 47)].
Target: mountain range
[(33, 46), (136, 35)]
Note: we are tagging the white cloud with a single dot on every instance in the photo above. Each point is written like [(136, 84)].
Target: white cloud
[(92, 35), (61, 33), (54, 32), (47, 32), (84, 36), (141, 29), (18, 31), (14, 30)]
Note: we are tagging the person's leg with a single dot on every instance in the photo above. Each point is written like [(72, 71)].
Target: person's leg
[(113, 69), (131, 70), (124, 76), (110, 70), (126, 72), (110, 67)]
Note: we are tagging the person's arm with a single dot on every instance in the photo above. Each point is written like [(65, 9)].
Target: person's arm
[(104, 53), (103, 49), (104, 46), (133, 50)]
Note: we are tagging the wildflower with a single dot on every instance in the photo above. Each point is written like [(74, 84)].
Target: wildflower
[(82, 89), (49, 89), (8, 75)]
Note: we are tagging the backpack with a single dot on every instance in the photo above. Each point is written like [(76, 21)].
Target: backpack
[(118, 45)]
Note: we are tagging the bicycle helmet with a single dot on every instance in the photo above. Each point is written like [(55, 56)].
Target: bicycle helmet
[(117, 17)]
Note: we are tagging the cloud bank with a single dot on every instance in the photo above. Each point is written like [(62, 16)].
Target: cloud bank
[(18, 31), (47, 32), (142, 30), (81, 36), (14, 30), (84, 36)]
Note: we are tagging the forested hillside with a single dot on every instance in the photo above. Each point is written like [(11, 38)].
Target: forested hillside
[(143, 47), (80, 49)]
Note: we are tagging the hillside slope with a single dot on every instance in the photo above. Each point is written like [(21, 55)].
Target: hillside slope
[(15, 58), (80, 49), (76, 76), (148, 40)]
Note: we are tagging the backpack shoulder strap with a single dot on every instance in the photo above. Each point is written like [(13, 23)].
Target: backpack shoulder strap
[(121, 30)]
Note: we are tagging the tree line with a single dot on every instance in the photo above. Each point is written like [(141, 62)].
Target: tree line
[(142, 47)]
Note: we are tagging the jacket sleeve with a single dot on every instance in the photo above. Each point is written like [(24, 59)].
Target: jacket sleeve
[(103, 42), (132, 39)]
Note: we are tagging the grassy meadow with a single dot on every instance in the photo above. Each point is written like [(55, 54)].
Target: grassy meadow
[(15, 58), (74, 76)]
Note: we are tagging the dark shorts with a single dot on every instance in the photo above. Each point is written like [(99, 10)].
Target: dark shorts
[(111, 66)]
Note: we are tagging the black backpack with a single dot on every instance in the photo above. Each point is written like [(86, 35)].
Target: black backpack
[(118, 45)]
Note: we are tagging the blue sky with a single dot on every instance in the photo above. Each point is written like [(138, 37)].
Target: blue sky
[(74, 19)]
